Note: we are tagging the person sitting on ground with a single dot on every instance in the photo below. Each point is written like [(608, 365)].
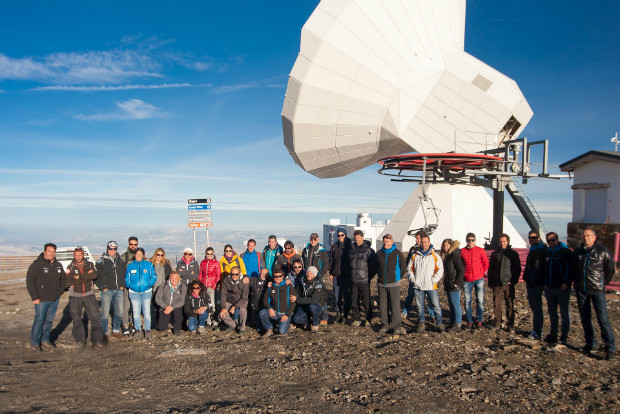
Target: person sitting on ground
[(310, 300), (258, 287), (170, 298), (234, 301), (197, 307), (278, 306)]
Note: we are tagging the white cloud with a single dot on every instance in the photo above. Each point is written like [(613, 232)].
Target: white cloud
[(116, 88), (133, 109)]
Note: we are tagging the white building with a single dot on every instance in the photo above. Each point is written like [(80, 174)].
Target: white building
[(363, 222)]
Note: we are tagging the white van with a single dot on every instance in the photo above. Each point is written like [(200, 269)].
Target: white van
[(65, 255)]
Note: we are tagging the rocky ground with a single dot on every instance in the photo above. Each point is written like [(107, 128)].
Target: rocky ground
[(341, 369)]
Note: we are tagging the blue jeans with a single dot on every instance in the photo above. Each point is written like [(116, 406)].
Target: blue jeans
[(111, 298), (193, 322), (600, 308), (556, 296), (44, 314), (534, 297), (409, 301), (302, 312), (141, 303), (433, 299), (267, 323), (454, 301), (479, 285)]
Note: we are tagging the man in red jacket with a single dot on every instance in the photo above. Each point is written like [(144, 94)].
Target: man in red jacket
[(476, 264)]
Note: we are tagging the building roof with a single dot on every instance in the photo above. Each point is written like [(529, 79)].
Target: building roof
[(610, 156)]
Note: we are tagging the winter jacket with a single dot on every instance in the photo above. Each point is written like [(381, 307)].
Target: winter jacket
[(227, 265), (593, 268), (316, 256), (128, 257), (475, 262), (285, 264), (425, 269), (412, 251), (192, 303), (339, 262), (83, 285), (253, 262), (45, 279), (311, 292), (210, 272), (235, 293), (111, 272), (504, 267), (363, 262), (188, 271), (162, 276), (167, 295), (391, 267), (558, 266), (278, 298), (453, 269), (258, 287), (140, 276), (270, 256), (534, 273)]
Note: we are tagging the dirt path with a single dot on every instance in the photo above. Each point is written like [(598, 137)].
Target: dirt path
[(341, 369)]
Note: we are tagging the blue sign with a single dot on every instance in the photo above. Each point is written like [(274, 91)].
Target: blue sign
[(199, 207)]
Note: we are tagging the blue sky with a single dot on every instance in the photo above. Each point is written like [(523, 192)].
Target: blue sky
[(113, 114)]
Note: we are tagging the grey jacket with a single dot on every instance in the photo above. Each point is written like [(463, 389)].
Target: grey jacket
[(168, 296)]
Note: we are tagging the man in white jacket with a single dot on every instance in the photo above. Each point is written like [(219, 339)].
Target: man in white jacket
[(425, 270)]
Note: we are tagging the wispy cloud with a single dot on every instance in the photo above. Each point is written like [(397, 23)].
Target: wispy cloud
[(71, 88), (133, 109)]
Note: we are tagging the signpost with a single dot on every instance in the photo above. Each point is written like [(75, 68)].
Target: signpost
[(199, 216)]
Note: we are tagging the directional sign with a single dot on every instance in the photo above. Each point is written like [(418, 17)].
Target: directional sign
[(194, 225), (199, 213), (199, 207), (199, 219), (199, 201)]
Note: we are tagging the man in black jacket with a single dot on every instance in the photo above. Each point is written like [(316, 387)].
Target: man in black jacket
[(45, 281), (310, 300), (558, 278), (340, 274), (504, 271), (111, 283), (593, 270), (278, 305), (363, 269), (533, 276)]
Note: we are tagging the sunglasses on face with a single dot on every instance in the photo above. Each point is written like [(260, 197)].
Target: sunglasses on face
[(159, 255), (187, 254), (235, 274), (196, 288), (341, 235), (296, 267), (471, 240), (551, 240), (209, 254), (133, 244), (387, 238), (227, 251), (112, 248), (532, 237)]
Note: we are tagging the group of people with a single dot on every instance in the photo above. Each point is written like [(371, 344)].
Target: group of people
[(280, 288)]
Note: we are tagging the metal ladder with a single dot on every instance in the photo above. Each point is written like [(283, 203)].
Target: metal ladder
[(521, 191)]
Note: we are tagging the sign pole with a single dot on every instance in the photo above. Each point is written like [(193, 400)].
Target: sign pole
[(194, 231), (208, 244)]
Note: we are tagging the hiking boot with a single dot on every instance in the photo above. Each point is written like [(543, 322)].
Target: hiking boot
[(147, 334), (551, 339), (97, 345), (314, 328), (323, 322), (292, 327), (382, 330), (610, 355), (136, 336), (47, 345), (200, 330), (441, 328), (432, 321), (117, 335), (534, 336), (356, 323), (421, 327), (267, 333), (126, 330), (478, 324), (455, 328), (470, 325)]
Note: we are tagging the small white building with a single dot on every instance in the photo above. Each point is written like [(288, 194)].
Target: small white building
[(363, 222), (596, 194)]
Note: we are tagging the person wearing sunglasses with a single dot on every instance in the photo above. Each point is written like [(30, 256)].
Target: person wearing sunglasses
[(235, 295), (504, 272), (557, 278), (534, 278), (476, 264), (340, 274), (111, 283), (314, 254), (593, 269), (278, 307), (188, 268), (284, 262), (128, 258), (210, 272), (197, 308), (230, 260)]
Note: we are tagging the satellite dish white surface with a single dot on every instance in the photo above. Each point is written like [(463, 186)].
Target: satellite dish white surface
[(384, 77)]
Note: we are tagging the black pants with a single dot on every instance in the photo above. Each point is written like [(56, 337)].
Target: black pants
[(164, 320), (364, 290), (89, 303), (389, 306)]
